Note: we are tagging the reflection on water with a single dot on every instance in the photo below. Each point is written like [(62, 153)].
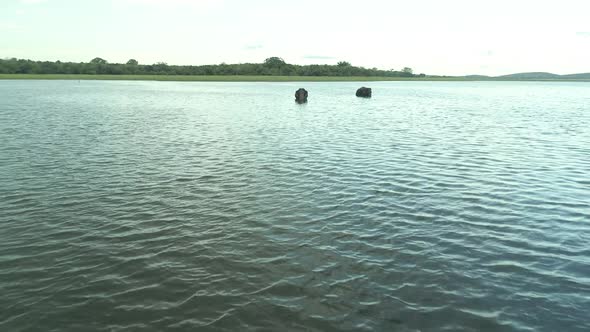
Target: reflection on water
[(226, 206)]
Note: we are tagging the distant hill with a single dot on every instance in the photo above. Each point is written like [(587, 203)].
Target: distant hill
[(584, 76), (531, 76), (477, 77)]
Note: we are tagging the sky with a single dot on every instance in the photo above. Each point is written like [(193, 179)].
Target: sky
[(437, 37)]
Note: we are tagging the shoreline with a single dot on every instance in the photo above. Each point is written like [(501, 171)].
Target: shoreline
[(248, 78)]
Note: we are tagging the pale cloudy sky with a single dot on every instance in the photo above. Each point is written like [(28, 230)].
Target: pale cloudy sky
[(453, 37)]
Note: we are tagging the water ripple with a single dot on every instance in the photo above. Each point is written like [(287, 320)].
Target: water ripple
[(225, 206)]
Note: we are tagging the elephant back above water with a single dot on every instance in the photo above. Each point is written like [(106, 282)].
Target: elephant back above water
[(364, 92), (301, 96)]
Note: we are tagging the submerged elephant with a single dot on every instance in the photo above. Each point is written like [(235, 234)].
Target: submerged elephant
[(364, 92), (301, 96)]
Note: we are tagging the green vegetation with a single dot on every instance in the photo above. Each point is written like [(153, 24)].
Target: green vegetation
[(221, 78), (252, 78), (273, 69), (273, 66)]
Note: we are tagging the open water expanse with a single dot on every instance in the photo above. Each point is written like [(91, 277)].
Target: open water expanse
[(163, 206)]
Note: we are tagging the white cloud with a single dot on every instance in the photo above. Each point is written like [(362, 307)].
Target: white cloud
[(11, 27), (31, 2), (251, 47), (170, 3), (319, 57)]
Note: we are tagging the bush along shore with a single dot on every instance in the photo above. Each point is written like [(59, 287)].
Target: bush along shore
[(271, 70), (270, 67)]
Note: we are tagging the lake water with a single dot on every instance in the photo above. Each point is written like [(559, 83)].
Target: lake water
[(152, 206)]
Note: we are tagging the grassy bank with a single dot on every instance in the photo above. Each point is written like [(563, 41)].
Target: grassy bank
[(246, 78), (219, 78)]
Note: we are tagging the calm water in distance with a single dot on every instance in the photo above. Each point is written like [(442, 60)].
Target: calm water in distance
[(152, 206)]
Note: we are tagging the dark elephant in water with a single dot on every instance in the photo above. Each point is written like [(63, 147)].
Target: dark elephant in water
[(364, 92), (301, 96)]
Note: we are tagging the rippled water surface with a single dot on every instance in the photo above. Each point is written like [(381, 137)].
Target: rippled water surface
[(153, 206)]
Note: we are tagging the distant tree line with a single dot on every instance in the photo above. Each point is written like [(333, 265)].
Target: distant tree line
[(273, 66)]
